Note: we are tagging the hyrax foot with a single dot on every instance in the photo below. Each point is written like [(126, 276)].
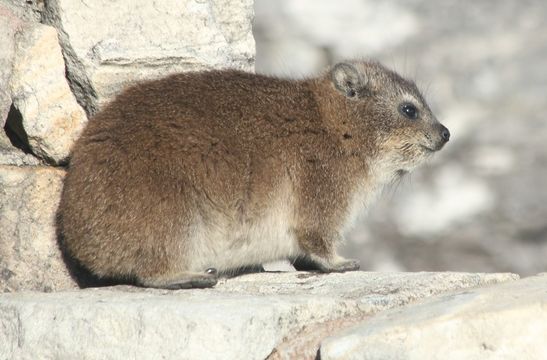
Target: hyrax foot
[(346, 265), (183, 281), (339, 264)]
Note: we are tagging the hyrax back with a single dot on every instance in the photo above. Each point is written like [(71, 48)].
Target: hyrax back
[(198, 172)]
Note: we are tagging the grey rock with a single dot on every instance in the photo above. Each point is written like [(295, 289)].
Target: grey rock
[(28, 10), (13, 156), (137, 40), (243, 317), (29, 256), (507, 321)]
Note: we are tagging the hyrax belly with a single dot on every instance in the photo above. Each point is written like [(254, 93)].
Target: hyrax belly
[(246, 240)]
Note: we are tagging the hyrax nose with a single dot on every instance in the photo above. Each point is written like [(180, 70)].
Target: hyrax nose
[(445, 134)]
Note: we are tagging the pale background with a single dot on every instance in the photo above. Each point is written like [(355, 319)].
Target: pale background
[(480, 205)]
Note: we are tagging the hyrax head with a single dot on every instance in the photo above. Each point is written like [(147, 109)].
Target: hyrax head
[(392, 110)]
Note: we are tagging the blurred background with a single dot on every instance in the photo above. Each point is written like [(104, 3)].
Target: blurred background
[(481, 204)]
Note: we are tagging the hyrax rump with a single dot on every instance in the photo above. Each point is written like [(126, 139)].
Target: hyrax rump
[(197, 172)]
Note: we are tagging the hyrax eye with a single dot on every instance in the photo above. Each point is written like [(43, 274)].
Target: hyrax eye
[(409, 111)]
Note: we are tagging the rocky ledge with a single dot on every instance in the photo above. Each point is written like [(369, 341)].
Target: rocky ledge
[(291, 315)]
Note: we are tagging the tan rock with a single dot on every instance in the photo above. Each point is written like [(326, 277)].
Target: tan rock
[(10, 24), (51, 117), (305, 345), (507, 321), (136, 40), (29, 256)]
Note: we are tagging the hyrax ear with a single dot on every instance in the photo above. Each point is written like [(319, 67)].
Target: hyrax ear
[(347, 79)]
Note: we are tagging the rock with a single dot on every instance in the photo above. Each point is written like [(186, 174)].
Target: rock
[(28, 10), (51, 117), (11, 156), (136, 40), (304, 345), (507, 321), (38, 112), (9, 25), (243, 317), (29, 257)]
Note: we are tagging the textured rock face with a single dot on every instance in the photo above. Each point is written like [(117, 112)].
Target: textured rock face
[(51, 117), (480, 205), (130, 41), (39, 113), (29, 257), (136, 40), (10, 24), (241, 318), (40, 119), (507, 321), (29, 10)]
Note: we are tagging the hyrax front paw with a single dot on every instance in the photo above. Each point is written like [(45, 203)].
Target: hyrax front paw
[(345, 265), (313, 262), (318, 245)]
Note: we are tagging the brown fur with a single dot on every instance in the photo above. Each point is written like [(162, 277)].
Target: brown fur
[(201, 170)]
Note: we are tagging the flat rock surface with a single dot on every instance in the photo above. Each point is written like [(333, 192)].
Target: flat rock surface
[(507, 321), (244, 317)]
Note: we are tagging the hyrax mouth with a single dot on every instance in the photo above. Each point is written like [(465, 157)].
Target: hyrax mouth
[(439, 141), (427, 149), (431, 149)]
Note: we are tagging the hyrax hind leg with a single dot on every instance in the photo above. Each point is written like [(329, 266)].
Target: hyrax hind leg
[(183, 280), (320, 253)]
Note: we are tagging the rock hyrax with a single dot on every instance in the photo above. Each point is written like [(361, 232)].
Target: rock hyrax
[(219, 170)]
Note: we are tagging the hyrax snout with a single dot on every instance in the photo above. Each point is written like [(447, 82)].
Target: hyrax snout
[(196, 174)]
